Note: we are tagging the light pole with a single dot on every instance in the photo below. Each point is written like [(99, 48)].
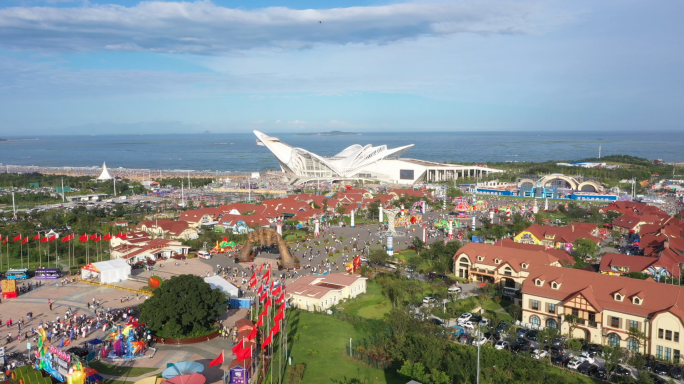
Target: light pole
[(478, 348)]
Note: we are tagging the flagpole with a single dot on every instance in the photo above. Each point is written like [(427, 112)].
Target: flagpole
[(21, 252)]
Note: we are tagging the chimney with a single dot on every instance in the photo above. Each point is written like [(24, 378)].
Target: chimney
[(573, 227)]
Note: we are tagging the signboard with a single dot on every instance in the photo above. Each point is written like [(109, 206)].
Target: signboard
[(2, 356), (406, 174), (155, 282), (239, 375)]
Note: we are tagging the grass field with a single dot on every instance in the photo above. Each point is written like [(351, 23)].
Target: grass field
[(372, 304), (328, 336)]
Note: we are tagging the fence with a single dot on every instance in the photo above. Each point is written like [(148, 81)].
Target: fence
[(120, 288)]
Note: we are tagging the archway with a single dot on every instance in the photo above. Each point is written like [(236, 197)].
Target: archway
[(267, 236), (559, 181), (580, 333), (589, 186)]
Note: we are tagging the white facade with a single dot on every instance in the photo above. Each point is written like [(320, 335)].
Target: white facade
[(363, 162)]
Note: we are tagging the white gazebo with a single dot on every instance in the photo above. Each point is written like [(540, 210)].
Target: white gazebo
[(105, 173), (218, 282), (112, 271)]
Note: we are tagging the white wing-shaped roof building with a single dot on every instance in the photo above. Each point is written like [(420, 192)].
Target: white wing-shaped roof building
[(105, 173), (360, 162)]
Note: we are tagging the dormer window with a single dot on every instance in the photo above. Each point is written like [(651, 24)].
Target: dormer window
[(636, 300), (480, 258), (538, 282), (618, 297), (524, 265), (555, 285), (497, 261)]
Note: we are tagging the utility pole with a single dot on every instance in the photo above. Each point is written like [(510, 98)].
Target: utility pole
[(114, 186), (63, 190)]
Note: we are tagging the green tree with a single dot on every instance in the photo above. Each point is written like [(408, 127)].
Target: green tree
[(183, 306), (418, 244), (415, 262), (585, 247), (378, 257)]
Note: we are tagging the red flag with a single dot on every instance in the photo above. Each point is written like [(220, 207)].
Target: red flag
[(279, 316), (267, 341), (4, 241), (252, 334), (108, 237), (259, 269), (118, 235), (52, 237), (275, 329), (17, 237), (267, 277), (44, 240), (282, 307), (261, 321), (124, 236), (264, 312), (36, 237), (244, 354), (93, 236), (26, 239), (97, 238), (73, 236), (261, 289), (217, 361), (277, 290), (66, 238), (263, 296), (239, 346), (83, 238), (67, 342), (267, 303)]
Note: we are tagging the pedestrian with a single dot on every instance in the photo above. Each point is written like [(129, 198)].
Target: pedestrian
[(50, 304)]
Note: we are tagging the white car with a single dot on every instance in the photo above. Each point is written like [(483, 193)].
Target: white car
[(204, 254), (501, 344), (584, 356), (467, 324), (574, 363), (481, 341), (464, 317), (428, 300), (537, 354), (484, 322), (454, 289)]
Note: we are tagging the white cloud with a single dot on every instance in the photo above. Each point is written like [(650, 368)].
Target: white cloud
[(202, 27)]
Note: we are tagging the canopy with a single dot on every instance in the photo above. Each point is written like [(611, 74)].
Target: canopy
[(194, 378), (218, 282), (182, 368), (95, 341), (112, 271)]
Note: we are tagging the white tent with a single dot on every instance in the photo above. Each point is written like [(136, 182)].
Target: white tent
[(218, 282), (105, 173), (113, 271)]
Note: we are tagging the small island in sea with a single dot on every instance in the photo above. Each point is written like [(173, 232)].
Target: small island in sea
[(331, 133)]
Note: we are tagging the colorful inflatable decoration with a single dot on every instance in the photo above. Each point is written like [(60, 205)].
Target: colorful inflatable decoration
[(124, 343), (57, 363), (154, 282), (354, 265), (224, 246)]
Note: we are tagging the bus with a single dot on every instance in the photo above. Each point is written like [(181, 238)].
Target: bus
[(17, 274), (48, 273)]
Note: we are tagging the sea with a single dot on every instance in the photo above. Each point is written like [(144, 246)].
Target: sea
[(238, 152)]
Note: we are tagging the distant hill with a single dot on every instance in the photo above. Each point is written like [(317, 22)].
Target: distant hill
[(331, 133)]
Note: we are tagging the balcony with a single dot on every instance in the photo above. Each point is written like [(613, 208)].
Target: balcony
[(592, 324), (483, 271)]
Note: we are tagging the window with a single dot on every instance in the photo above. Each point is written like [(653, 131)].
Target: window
[(592, 317), (508, 271), (497, 261), (538, 282), (524, 266), (535, 320), (633, 344), (618, 297), (660, 333), (554, 285), (480, 258), (575, 312), (615, 322), (676, 337), (633, 324), (668, 354), (535, 305), (659, 352), (551, 323), (636, 301), (613, 340), (552, 308), (676, 356), (668, 335)]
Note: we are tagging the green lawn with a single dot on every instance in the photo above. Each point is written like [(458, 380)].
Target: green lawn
[(117, 370), (328, 336), (372, 304)]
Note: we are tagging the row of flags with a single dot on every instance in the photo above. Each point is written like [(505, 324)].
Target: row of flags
[(83, 238)]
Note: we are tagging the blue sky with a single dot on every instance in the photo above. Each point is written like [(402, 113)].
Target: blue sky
[(98, 66)]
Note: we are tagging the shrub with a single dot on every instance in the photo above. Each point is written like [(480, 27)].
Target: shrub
[(312, 352), (497, 299), (296, 373)]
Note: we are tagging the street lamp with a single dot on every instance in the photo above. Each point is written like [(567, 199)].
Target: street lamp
[(479, 332)]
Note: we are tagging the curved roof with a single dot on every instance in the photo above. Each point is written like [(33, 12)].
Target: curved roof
[(345, 164)]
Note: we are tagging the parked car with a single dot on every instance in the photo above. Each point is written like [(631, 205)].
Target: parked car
[(464, 317), (657, 379), (560, 360), (601, 373), (468, 324), (457, 331), (555, 351), (494, 336), (661, 369), (587, 368), (204, 254), (540, 354), (480, 341), (592, 349), (676, 372), (522, 332), (502, 344), (484, 322), (437, 321), (455, 289), (574, 363), (623, 372), (502, 326), (584, 356), (531, 335), (428, 300), (464, 338)]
